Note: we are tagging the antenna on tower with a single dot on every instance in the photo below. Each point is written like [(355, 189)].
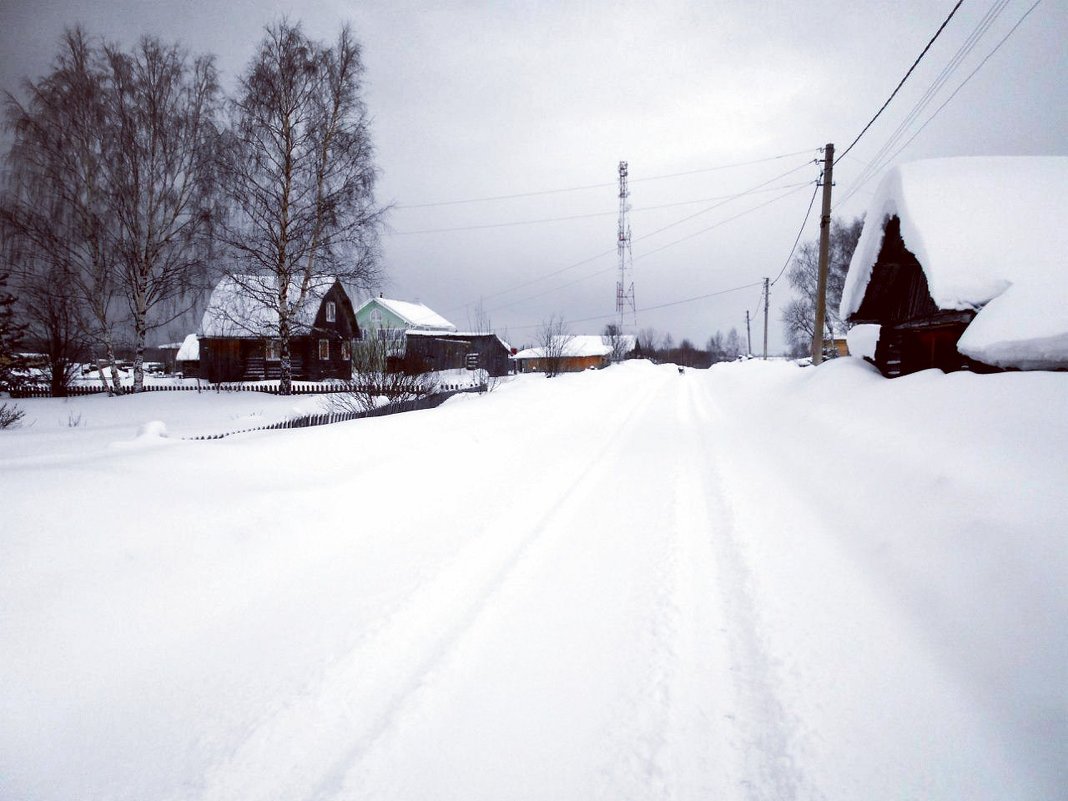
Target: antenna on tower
[(625, 285)]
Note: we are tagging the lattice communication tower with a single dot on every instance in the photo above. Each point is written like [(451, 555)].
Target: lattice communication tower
[(625, 285)]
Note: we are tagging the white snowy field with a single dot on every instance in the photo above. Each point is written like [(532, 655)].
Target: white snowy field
[(752, 582)]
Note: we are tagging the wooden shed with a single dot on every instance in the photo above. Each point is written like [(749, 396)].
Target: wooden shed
[(960, 266), (239, 333), (572, 354), (445, 350)]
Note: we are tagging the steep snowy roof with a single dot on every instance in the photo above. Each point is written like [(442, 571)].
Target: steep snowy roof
[(989, 234), (238, 307), (415, 314)]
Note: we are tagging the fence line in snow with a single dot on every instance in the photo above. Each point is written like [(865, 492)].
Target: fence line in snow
[(327, 418)]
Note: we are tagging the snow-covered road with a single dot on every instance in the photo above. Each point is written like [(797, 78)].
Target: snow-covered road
[(744, 583)]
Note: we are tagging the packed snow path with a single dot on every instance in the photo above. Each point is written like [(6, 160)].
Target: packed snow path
[(606, 586)]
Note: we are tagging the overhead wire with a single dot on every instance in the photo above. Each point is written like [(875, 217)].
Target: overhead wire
[(539, 193), (870, 173), (901, 83), (590, 215), (656, 307), (636, 258), (800, 230), (877, 161), (609, 251)]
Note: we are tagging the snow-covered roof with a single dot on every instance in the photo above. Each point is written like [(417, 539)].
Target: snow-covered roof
[(237, 307), (989, 234), (416, 315), (579, 346), (190, 349), (456, 335)]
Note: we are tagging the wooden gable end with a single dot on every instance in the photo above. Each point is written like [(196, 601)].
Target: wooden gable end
[(897, 292)]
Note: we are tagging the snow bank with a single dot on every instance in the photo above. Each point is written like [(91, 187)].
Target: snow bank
[(979, 226)]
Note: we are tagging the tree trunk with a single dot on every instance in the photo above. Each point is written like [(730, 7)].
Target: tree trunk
[(285, 385)]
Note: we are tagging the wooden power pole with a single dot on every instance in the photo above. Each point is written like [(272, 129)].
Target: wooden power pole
[(766, 319), (748, 336), (825, 247)]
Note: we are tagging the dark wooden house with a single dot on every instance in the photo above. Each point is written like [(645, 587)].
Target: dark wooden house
[(915, 333), (445, 350), (239, 333), (960, 265)]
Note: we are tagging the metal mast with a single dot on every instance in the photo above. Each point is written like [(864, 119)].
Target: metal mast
[(625, 285)]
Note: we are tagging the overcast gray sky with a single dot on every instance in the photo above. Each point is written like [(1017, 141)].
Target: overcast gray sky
[(476, 100)]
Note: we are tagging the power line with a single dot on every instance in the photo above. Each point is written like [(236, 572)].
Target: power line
[(518, 195), (749, 191), (591, 215), (902, 82), (937, 111), (642, 256), (654, 308), (876, 163), (669, 244), (799, 232)]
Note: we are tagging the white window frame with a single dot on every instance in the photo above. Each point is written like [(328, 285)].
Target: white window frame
[(324, 350), (331, 311), (273, 351)]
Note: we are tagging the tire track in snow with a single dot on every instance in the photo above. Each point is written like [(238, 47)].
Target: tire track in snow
[(305, 749), (764, 733), (670, 734)]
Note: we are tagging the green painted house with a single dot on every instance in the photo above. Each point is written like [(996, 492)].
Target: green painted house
[(390, 319)]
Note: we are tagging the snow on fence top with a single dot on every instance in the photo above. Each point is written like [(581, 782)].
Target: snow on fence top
[(989, 234)]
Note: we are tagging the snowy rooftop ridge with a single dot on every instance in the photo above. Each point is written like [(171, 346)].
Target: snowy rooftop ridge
[(417, 315), (989, 233), (238, 307), (189, 350), (579, 346)]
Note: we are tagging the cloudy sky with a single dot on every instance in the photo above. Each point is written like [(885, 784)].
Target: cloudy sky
[(500, 127)]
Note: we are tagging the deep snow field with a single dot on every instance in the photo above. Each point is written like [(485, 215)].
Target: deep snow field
[(757, 581)]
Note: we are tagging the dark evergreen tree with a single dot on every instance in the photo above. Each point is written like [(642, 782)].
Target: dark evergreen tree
[(11, 334)]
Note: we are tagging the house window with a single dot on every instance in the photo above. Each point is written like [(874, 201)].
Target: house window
[(346, 350), (324, 349), (331, 311), (274, 350)]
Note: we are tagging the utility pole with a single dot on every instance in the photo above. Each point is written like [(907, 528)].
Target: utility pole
[(825, 246), (766, 319), (748, 336)]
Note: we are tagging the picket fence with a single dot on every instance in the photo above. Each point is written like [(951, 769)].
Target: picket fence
[(327, 418)]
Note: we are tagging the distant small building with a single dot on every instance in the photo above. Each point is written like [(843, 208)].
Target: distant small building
[(238, 339), (187, 360), (167, 355), (390, 320), (960, 264), (572, 354), (448, 350)]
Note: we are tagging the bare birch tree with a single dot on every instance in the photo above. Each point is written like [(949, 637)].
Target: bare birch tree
[(554, 338), (799, 314), (57, 198), (162, 110), (299, 174)]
